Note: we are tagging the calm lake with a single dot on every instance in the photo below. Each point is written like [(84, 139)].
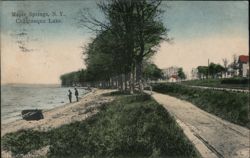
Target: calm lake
[(15, 98)]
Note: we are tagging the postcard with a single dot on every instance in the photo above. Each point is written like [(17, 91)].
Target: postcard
[(124, 78)]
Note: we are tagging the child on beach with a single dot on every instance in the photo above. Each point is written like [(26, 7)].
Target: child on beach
[(70, 96)]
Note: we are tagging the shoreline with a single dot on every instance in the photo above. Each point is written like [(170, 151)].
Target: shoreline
[(18, 98), (58, 116)]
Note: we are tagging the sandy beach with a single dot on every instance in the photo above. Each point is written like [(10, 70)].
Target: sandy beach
[(68, 113), (65, 114), (75, 111)]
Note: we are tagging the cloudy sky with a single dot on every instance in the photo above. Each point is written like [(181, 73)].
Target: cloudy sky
[(40, 53)]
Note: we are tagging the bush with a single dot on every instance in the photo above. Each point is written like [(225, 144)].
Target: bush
[(235, 81), (227, 105), (24, 141)]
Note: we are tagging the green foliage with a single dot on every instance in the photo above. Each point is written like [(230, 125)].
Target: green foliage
[(117, 93), (126, 128), (73, 78), (235, 83), (227, 105), (181, 74), (202, 71), (131, 126), (215, 69), (152, 72), (244, 81), (206, 82), (105, 57), (130, 35), (24, 141)]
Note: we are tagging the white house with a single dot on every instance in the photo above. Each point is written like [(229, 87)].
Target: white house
[(243, 65), (194, 74), (170, 71)]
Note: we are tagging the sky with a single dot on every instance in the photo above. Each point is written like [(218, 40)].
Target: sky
[(40, 53)]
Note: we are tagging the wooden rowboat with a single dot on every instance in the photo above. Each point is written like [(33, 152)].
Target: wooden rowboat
[(32, 114)]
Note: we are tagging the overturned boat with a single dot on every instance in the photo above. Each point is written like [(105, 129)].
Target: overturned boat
[(32, 114)]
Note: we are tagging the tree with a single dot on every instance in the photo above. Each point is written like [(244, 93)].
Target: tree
[(235, 63), (181, 74), (149, 32), (202, 72), (215, 70), (152, 72), (219, 69), (70, 79), (212, 69), (136, 27), (104, 57)]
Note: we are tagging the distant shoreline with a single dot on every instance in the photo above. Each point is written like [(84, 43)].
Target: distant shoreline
[(39, 85), (29, 84)]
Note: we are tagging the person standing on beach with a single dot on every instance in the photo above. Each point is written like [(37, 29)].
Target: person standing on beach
[(76, 94), (70, 96)]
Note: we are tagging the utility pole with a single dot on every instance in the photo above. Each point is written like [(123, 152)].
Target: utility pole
[(208, 69)]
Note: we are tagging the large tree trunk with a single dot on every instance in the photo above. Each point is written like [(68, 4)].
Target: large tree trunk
[(123, 82), (132, 82), (120, 83), (117, 83), (139, 78), (126, 80)]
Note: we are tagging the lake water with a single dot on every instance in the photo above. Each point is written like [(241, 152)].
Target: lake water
[(15, 98)]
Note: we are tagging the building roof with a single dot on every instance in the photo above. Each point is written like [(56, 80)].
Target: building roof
[(244, 58), (174, 76)]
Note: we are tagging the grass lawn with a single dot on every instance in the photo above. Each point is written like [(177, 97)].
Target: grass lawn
[(235, 83), (230, 106), (131, 126)]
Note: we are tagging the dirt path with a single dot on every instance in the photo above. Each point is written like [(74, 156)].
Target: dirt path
[(212, 136)]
